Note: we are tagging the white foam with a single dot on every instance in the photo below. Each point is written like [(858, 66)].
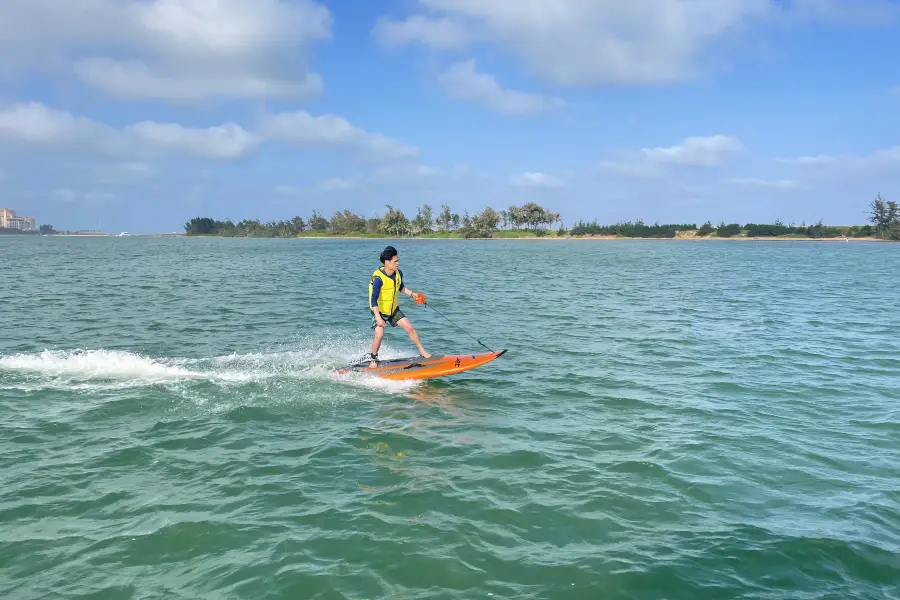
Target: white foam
[(94, 364), (101, 369)]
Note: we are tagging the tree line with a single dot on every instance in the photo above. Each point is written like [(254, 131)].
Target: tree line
[(531, 219), (44, 229), (723, 230), (885, 216)]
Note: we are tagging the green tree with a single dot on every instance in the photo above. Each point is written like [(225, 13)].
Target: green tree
[(200, 226), (552, 218), (515, 216), (373, 225), (317, 222), (343, 223), (885, 215), (251, 227), (729, 230), (445, 218), (421, 224), (395, 222), (484, 224), (878, 213)]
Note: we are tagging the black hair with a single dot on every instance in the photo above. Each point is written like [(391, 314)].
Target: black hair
[(388, 253)]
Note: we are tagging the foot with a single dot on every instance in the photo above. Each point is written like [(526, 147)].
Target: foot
[(425, 354), (373, 360)]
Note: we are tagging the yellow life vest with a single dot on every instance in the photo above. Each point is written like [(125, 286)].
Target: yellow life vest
[(390, 288)]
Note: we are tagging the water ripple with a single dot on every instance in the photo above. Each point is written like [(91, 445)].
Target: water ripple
[(677, 420)]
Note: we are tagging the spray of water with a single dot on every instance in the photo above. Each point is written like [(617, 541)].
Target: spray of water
[(304, 361)]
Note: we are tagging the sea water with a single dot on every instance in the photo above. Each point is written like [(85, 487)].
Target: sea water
[(673, 419)]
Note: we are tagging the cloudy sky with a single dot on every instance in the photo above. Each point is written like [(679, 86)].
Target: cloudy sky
[(142, 114)]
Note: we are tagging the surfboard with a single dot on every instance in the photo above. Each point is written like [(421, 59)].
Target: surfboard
[(416, 367)]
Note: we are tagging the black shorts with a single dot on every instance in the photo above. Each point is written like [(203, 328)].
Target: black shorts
[(392, 319)]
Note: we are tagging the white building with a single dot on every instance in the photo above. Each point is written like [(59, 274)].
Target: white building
[(9, 220)]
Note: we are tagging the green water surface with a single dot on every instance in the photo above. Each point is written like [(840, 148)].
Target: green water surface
[(694, 420)]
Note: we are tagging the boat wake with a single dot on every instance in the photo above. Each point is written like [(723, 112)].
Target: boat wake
[(102, 369)]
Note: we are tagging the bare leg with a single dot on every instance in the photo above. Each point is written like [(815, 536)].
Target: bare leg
[(376, 343), (407, 326)]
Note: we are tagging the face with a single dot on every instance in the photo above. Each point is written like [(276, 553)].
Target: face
[(393, 263)]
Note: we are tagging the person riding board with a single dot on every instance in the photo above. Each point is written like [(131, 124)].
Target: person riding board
[(384, 286)]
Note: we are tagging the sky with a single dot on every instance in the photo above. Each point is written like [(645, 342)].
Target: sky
[(137, 115)]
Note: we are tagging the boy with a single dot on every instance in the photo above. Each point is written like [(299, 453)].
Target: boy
[(384, 288)]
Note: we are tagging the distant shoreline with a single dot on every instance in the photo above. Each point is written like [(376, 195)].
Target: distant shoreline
[(601, 238), (587, 237), (114, 235)]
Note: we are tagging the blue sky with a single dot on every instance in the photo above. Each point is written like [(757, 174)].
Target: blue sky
[(139, 115)]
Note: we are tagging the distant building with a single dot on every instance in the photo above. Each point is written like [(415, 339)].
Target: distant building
[(9, 220)]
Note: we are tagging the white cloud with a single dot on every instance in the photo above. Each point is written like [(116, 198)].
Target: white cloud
[(460, 172), (441, 34), (885, 159), (66, 195), (47, 128), (131, 79), (537, 180), (222, 141), (401, 175), (335, 184), (699, 151), (34, 124), (169, 49), (462, 81), (819, 159), (581, 42), (404, 173), (129, 171), (775, 184), (324, 187), (631, 170), (329, 131), (408, 174), (592, 42), (656, 163)]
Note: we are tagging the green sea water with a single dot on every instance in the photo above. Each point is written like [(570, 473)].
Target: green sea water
[(696, 420)]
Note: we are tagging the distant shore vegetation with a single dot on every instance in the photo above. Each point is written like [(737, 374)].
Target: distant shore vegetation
[(533, 220), (44, 229)]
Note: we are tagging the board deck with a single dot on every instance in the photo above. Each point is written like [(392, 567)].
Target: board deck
[(416, 367)]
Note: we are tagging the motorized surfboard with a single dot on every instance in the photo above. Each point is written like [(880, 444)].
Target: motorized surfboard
[(416, 367)]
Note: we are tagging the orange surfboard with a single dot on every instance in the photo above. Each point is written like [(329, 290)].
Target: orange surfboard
[(416, 367)]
